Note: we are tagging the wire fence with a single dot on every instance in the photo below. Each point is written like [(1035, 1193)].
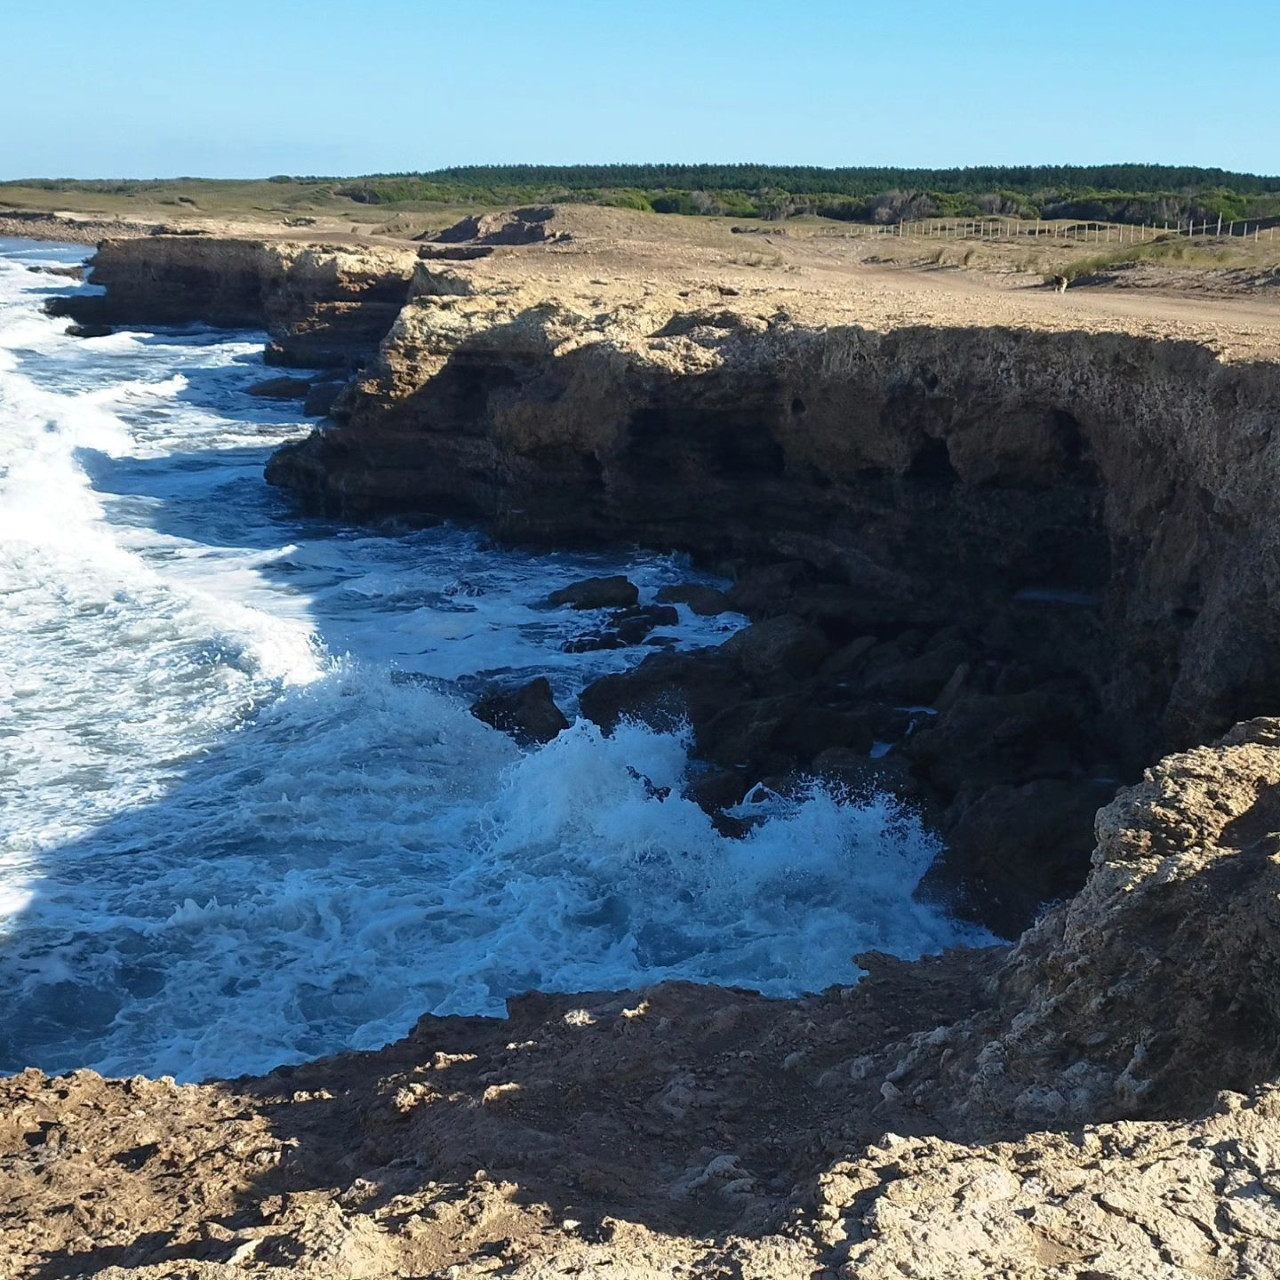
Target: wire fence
[(1098, 232)]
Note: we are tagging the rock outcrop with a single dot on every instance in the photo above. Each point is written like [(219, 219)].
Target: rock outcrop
[(322, 305), (934, 473)]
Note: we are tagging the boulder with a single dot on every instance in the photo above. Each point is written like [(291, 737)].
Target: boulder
[(986, 740), (665, 691), (785, 646), (706, 602), (634, 624), (765, 591), (846, 662), (281, 388), (626, 627), (779, 733), (529, 714), (863, 778), (914, 680), (597, 593)]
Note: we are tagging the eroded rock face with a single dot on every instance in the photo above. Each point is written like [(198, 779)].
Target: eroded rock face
[(322, 305), (1156, 985), (929, 474), (1064, 540)]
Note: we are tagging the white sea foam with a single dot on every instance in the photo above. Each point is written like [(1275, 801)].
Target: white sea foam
[(245, 817)]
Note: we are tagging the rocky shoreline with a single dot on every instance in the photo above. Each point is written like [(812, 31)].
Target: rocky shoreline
[(998, 569)]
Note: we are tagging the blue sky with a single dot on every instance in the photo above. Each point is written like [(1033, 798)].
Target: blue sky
[(222, 88)]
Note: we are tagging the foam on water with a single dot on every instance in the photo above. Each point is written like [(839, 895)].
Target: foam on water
[(245, 816)]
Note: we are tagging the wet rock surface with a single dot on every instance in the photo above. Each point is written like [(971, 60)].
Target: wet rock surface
[(529, 713), (596, 593), (281, 388)]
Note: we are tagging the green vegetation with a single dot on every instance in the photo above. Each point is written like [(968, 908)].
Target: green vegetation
[(1131, 193), (1111, 193)]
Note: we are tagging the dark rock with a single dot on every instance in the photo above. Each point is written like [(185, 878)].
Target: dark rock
[(765, 591), (715, 789), (989, 739), (594, 642), (891, 724), (321, 397), (89, 330), (861, 778), (915, 680), (1015, 849), (281, 388), (847, 661), (664, 691), (597, 593), (706, 602), (529, 714), (785, 646), (634, 624), (626, 627), (297, 355), (741, 735), (71, 273), (774, 735), (808, 731)]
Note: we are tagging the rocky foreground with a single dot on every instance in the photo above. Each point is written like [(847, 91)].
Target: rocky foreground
[(1098, 1101), (1052, 528)]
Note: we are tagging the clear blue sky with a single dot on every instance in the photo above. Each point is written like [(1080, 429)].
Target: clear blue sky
[(152, 88)]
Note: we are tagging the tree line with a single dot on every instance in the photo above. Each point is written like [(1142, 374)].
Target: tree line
[(1114, 193)]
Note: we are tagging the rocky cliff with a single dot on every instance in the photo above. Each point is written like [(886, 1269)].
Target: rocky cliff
[(1068, 533), (322, 305), (937, 471)]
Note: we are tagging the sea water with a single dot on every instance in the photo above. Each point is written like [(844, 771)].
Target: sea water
[(246, 817)]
